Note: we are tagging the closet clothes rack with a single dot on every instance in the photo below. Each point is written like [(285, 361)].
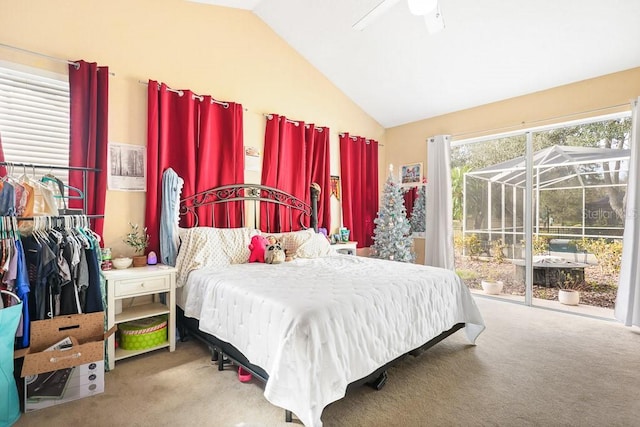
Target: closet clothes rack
[(55, 250), (53, 266), (41, 167)]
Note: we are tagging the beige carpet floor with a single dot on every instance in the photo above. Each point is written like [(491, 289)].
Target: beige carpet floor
[(530, 367)]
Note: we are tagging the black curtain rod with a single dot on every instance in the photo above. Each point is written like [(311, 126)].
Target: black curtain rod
[(52, 167)]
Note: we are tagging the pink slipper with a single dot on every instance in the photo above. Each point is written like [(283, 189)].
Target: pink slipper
[(243, 375)]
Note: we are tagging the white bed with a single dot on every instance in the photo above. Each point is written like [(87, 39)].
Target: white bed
[(312, 326), (317, 325)]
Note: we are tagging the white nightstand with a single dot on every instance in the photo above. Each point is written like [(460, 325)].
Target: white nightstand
[(150, 281), (348, 248)]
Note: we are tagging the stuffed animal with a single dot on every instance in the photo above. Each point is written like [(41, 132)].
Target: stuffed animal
[(288, 256), (274, 254), (257, 247)]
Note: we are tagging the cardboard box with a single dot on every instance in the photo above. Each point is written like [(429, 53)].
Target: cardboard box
[(57, 376), (63, 385)]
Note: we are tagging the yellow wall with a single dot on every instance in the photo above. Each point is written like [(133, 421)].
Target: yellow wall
[(407, 143), (227, 53)]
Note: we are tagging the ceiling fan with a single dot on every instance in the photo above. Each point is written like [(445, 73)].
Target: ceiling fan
[(429, 9)]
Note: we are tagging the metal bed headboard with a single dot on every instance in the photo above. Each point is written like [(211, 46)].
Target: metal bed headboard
[(251, 195)]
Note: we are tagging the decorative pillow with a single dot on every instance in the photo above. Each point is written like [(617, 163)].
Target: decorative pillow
[(207, 246), (317, 246)]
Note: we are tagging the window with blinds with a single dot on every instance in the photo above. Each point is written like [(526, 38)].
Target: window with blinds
[(34, 118)]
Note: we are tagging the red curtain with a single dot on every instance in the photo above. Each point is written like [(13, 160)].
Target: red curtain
[(220, 159), (89, 107), (317, 169), (3, 170), (283, 166), (359, 171), (202, 142), (410, 197)]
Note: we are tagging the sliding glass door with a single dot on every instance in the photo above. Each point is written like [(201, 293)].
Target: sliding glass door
[(542, 211), (489, 215)]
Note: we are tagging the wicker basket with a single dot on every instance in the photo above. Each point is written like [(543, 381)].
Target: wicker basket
[(142, 334)]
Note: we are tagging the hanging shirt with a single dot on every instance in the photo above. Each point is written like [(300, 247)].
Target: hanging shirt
[(7, 200), (169, 216), (22, 289)]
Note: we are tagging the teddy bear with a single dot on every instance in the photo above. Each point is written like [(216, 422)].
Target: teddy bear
[(257, 247), (274, 254)]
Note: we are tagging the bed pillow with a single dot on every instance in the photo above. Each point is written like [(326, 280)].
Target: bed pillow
[(210, 247), (315, 247)]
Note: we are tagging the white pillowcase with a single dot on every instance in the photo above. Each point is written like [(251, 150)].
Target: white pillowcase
[(317, 246), (209, 247)]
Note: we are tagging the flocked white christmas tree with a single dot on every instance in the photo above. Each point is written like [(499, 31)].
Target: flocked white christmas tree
[(392, 238), (418, 218)]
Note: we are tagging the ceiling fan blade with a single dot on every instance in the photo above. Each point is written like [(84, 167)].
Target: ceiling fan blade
[(422, 7), (373, 14)]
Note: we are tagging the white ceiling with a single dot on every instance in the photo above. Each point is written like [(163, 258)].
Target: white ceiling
[(490, 49)]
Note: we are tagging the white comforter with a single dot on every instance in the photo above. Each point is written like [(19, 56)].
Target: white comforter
[(315, 325)]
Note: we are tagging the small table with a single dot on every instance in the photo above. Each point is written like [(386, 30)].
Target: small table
[(151, 282), (548, 273)]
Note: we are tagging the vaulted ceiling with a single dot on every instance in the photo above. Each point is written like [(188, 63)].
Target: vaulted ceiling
[(489, 50)]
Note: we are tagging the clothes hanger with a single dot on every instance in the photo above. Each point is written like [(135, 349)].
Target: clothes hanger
[(61, 186)]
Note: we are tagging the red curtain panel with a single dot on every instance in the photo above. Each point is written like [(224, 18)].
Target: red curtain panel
[(317, 168), (89, 106), (284, 167), (220, 159), (410, 197), (171, 142), (359, 171), (203, 143), (3, 170)]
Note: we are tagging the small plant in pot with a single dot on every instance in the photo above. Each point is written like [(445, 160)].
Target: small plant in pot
[(569, 292), (491, 286), (138, 239)]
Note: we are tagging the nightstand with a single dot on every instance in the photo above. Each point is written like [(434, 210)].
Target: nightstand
[(142, 288), (348, 248)]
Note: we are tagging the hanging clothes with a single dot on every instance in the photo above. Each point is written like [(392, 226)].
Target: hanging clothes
[(14, 275), (63, 269)]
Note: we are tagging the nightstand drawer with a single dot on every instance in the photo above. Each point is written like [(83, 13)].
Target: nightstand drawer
[(141, 285)]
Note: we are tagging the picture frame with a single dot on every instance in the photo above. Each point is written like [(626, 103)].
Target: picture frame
[(411, 174)]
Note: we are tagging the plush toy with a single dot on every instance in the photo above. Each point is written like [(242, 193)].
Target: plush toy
[(257, 247), (271, 240), (274, 254), (288, 256)]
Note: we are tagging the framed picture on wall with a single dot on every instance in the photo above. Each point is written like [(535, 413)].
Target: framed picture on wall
[(411, 174)]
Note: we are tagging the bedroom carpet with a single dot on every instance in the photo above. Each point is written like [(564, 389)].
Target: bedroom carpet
[(530, 367)]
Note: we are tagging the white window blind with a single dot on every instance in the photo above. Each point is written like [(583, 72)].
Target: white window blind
[(34, 119)]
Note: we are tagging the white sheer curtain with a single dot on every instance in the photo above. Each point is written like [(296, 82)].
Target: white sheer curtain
[(628, 300), (439, 227)]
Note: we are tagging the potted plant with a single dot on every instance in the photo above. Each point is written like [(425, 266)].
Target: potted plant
[(139, 240), (569, 292), (491, 286)]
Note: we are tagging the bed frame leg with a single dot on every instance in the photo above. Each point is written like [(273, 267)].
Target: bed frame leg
[(288, 416), (220, 361), (379, 382), (214, 355)]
